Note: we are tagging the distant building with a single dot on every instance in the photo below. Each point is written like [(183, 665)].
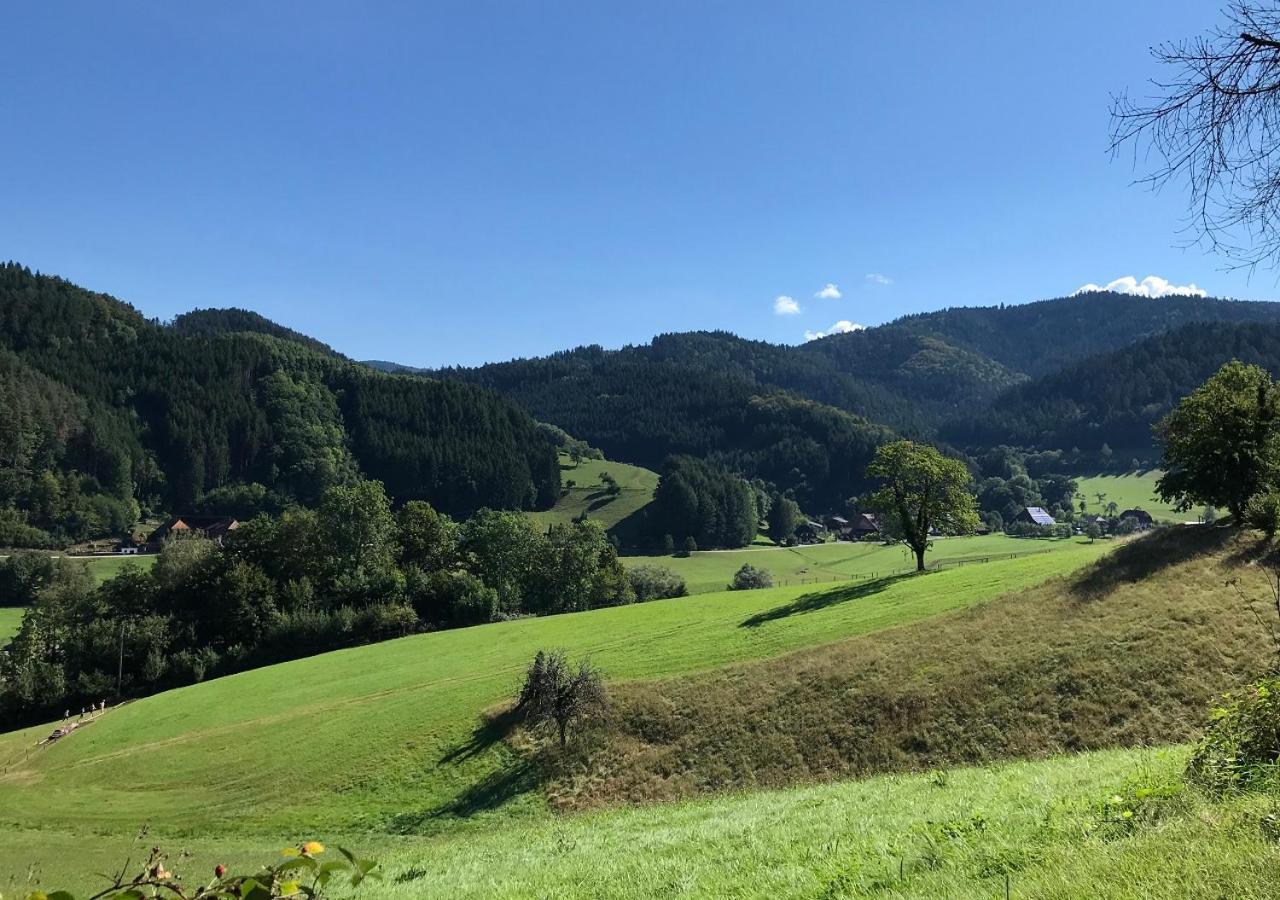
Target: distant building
[(839, 526), (1141, 516), (215, 528), (864, 526), (1035, 515), (811, 532)]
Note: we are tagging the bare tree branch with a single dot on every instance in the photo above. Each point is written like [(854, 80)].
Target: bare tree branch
[(1216, 125)]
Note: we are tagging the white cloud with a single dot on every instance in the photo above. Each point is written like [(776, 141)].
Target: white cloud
[(1152, 286), (830, 292), (841, 327), (786, 306), (877, 278)]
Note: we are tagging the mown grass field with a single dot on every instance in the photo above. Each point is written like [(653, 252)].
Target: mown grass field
[(383, 739), (1135, 489), (712, 570), (587, 495)]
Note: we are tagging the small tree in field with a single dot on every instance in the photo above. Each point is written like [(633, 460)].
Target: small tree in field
[(922, 490), (1093, 531), (556, 694)]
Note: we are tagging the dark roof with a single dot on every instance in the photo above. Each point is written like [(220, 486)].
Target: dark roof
[(1140, 514), (209, 526)]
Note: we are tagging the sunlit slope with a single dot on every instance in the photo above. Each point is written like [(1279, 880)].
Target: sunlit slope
[(712, 570), (378, 736)]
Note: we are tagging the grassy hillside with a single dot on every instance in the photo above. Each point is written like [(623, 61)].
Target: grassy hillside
[(956, 834), (587, 495), (1132, 651), (1135, 489), (385, 737), (1051, 826), (712, 570)]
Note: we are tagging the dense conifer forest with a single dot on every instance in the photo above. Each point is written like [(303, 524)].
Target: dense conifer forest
[(114, 416)]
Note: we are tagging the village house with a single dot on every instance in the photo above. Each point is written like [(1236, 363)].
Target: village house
[(1140, 516), (1035, 515), (215, 528)]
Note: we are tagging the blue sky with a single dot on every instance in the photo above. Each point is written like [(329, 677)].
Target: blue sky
[(442, 183)]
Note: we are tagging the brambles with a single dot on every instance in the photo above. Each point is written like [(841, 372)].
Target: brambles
[(1241, 747), (301, 874)]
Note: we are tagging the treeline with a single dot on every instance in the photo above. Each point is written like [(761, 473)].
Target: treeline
[(349, 570), (1109, 403), (116, 414)]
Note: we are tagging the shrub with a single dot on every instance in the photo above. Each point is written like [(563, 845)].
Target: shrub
[(1263, 513), (300, 874), (749, 577), (656, 583), (1241, 747), (690, 545), (556, 694)]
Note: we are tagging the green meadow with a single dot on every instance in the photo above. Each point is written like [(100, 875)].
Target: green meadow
[(587, 495), (1040, 829), (1135, 489), (712, 570), (383, 739), (10, 619)]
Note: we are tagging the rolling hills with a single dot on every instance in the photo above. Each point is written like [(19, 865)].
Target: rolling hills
[(385, 738), (384, 747)]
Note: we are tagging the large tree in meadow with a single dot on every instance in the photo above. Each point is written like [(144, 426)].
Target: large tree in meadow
[(1221, 441), (921, 491)]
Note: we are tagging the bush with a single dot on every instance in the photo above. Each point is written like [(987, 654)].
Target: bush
[(1241, 747), (690, 545), (1263, 513), (300, 874), (656, 583), (749, 578), (556, 694)]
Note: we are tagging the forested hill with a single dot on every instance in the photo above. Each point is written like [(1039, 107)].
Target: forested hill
[(214, 322), (1114, 398), (1047, 335), (107, 411)]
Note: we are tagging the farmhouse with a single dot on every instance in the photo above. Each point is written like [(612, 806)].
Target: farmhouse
[(215, 528), (811, 532), (1035, 515), (1140, 516)]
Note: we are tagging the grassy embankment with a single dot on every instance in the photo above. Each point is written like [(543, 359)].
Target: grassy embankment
[(383, 739)]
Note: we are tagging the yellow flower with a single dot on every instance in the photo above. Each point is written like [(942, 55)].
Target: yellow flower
[(312, 848)]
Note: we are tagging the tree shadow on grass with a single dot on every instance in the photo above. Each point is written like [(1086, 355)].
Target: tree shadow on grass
[(816, 600), (525, 774), (1145, 556), (492, 729)]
